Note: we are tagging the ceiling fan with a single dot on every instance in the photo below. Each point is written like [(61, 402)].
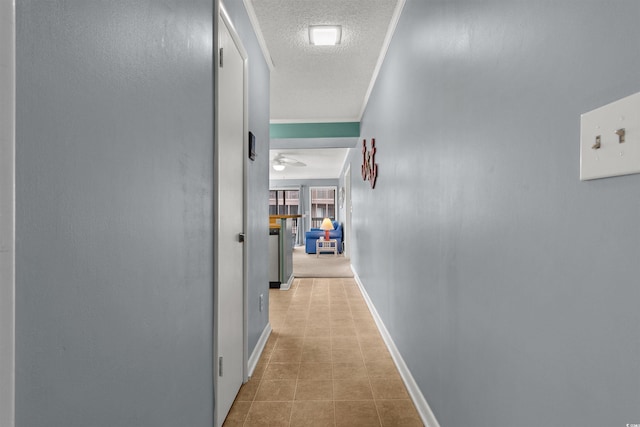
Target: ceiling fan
[(280, 161)]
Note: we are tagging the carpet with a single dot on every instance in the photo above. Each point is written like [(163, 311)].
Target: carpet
[(326, 265)]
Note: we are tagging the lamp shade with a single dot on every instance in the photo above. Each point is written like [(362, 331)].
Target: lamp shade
[(327, 226)]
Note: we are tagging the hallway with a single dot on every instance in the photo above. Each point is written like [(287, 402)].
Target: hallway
[(325, 364)]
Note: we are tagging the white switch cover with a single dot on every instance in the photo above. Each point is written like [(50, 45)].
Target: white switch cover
[(612, 158)]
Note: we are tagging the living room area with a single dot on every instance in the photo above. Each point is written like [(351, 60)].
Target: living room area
[(315, 214)]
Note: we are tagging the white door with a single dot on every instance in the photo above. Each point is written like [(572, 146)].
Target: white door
[(229, 363)]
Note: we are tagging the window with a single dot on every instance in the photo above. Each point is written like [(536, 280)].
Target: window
[(323, 204), (284, 202)]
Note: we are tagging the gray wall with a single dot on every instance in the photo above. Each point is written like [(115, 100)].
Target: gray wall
[(114, 222), (257, 174), (509, 286)]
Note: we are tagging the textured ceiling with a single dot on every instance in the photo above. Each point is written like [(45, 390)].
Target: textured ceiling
[(322, 83)]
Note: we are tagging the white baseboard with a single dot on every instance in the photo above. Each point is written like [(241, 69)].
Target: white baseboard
[(419, 401), (286, 286), (257, 351)]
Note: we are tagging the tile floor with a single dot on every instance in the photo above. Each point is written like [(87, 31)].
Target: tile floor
[(325, 364)]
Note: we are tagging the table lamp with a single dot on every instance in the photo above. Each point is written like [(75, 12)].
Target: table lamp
[(326, 225)]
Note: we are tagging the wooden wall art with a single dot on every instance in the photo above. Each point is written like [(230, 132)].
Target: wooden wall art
[(369, 166)]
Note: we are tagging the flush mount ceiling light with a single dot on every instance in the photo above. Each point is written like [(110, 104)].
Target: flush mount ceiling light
[(325, 35)]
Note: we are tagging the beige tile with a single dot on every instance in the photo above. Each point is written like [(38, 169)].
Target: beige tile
[(338, 302), (248, 391), (316, 355), (388, 388), (354, 389), (361, 314), (312, 414), (342, 323), (349, 370), (272, 414), (343, 331), (367, 328), (382, 369), (237, 414), (258, 372), (317, 331), (276, 314), (314, 390), (319, 321), (362, 413), (276, 390), (380, 353), (291, 343), (315, 371), (293, 330), (340, 315), (344, 342), (276, 325), (398, 413), (297, 320), (316, 343), (286, 355), (281, 371), (352, 354), (370, 340), (271, 342)]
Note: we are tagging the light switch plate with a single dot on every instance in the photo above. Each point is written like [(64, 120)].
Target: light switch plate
[(612, 158)]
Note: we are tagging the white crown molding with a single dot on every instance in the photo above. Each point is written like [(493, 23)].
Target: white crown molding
[(383, 53), (248, 5), (295, 121)]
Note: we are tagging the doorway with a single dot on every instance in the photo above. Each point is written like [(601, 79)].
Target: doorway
[(229, 322)]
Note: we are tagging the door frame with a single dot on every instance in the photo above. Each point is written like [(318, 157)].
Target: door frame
[(7, 213), (221, 14), (347, 213)]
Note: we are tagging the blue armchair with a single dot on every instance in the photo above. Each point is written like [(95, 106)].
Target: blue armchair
[(315, 233)]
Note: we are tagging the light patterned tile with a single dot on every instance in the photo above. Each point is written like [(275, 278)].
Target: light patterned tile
[(237, 415), (313, 414), (349, 371), (276, 390), (398, 413), (346, 355), (315, 371), (354, 389), (272, 414), (388, 388), (314, 390), (382, 369), (360, 413), (281, 371)]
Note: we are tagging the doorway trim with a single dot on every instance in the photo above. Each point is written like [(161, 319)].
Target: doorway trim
[(347, 213), (7, 213), (221, 14)]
